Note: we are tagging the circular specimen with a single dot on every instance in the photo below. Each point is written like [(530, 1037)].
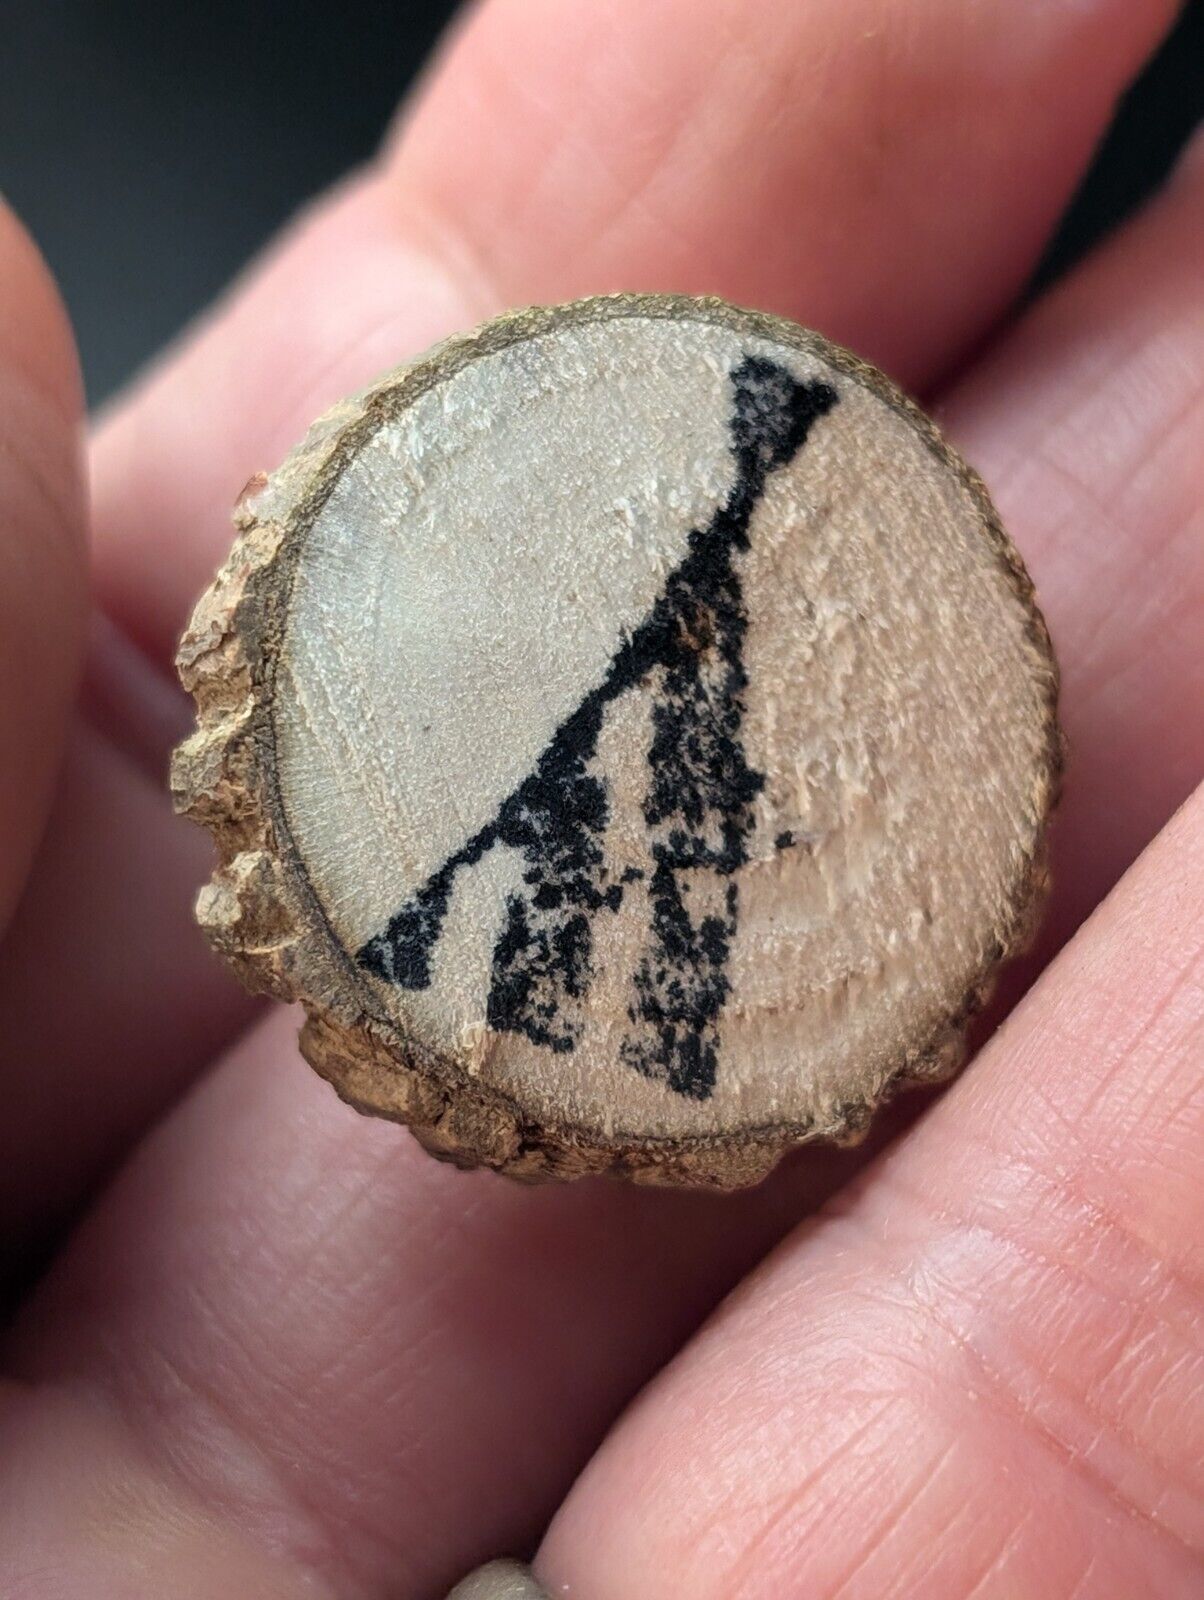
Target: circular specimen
[(631, 734)]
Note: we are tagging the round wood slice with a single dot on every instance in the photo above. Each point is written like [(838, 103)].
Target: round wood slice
[(630, 733)]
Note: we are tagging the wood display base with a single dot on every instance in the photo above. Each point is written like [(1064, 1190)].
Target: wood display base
[(630, 733)]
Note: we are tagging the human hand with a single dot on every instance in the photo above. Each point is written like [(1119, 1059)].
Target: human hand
[(282, 1353)]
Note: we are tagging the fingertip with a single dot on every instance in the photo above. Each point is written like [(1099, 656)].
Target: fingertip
[(42, 544), (36, 340)]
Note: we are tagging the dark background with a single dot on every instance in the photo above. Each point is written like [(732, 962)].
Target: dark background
[(152, 145)]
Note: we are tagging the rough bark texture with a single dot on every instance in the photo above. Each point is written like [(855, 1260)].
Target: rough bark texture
[(707, 694)]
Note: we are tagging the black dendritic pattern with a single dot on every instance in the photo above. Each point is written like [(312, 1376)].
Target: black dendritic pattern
[(698, 806)]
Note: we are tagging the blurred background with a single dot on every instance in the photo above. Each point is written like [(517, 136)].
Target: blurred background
[(152, 147)]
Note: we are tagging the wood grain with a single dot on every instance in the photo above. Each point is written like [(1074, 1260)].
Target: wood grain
[(630, 733)]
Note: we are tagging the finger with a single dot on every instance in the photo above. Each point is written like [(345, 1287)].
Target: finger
[(884, 173), (982, 1374), (627, 186), (288, 1203), (42, 547), (174, 1480), (108, 999), (440, 1348), (1088, 424)]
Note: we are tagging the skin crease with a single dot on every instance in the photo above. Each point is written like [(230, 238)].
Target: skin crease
[(640, 132), (287, 1354), (1008, 1306)]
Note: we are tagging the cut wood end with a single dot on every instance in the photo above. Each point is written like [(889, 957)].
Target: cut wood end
[(630, 733)]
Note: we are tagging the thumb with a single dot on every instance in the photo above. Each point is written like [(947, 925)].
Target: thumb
[(43, 556)]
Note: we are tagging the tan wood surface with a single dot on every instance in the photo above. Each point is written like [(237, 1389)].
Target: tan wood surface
[(631, 734)]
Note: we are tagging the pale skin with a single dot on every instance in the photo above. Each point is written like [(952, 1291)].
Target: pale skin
[(277, 1351)]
